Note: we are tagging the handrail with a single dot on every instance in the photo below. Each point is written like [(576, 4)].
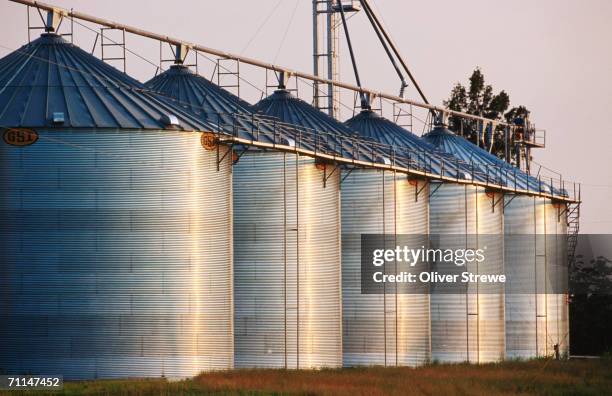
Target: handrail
[(254, 62), (303, 140), (368, 153)]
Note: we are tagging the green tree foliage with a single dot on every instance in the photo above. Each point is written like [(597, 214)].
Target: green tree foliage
[(480, 99)]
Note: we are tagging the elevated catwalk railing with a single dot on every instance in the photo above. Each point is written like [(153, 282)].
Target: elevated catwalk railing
[(270, 133), (346, 150), (62, 12)]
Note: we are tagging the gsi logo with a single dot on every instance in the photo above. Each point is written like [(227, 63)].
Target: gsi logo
[(209, 141), (20, 137)]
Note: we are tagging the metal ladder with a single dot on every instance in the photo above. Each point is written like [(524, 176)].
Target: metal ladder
[(107, 42), (228, 77), (573, 226), (401, 116)]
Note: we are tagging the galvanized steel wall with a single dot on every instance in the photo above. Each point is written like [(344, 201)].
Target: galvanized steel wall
[(287, 262), (557, 309), (391, 328), (522, 216), (537, 322), (468, 327), (117, 256)]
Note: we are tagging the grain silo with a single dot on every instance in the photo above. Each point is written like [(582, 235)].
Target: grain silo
[(390, 328), (534, 231), (286, 235), (468, 327), (288, 307), (116, 231), (372, 202)]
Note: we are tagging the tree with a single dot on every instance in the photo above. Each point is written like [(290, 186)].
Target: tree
[(479, 99)]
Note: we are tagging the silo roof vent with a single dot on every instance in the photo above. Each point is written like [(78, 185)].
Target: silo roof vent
[(170, 120), (58, 117)]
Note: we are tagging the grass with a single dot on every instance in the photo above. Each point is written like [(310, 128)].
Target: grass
[(536, 377)]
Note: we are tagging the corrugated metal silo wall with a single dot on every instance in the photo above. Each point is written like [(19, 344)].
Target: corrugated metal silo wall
[(392, 328), (468, 327), (557, 312), (287, 263), (117, 256), (536, 322)]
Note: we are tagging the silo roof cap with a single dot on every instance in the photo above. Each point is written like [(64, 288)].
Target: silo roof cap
[(283, 105), (196, 92)]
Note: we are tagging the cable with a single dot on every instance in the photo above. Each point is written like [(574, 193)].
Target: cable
[(115, 83), (265, 21), (114, 42), (366, 5), (161, 68), (297, 2), (228, 70), (386, 48)]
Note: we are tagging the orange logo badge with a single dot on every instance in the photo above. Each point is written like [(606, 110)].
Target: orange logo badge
[(20, 137), (209, 141)]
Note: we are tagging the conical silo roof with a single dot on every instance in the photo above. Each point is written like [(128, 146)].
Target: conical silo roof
[(495, 168), (220, 107), (284, 106), (51, 83), (371, 125), (196, 92), (288, 108)]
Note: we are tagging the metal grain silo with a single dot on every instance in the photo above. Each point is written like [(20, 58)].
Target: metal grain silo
[(535, 254), (536, 231), (468, 326), (287, 261), (391, 328), (557, 279), (286, 232), (116, 231)]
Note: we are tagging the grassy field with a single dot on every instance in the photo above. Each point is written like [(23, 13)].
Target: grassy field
[(541, 377)]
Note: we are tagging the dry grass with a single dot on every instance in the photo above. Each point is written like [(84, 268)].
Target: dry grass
[(510, 378)]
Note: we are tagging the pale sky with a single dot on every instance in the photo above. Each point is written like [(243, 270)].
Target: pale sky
[(554, 56)]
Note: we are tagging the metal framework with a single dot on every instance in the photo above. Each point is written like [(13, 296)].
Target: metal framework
[(113, 44), (250, 61), (325, 56), (397, 160), (179, 57), (330, 149)]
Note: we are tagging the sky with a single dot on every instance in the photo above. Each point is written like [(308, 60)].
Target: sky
[(553, 56)]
